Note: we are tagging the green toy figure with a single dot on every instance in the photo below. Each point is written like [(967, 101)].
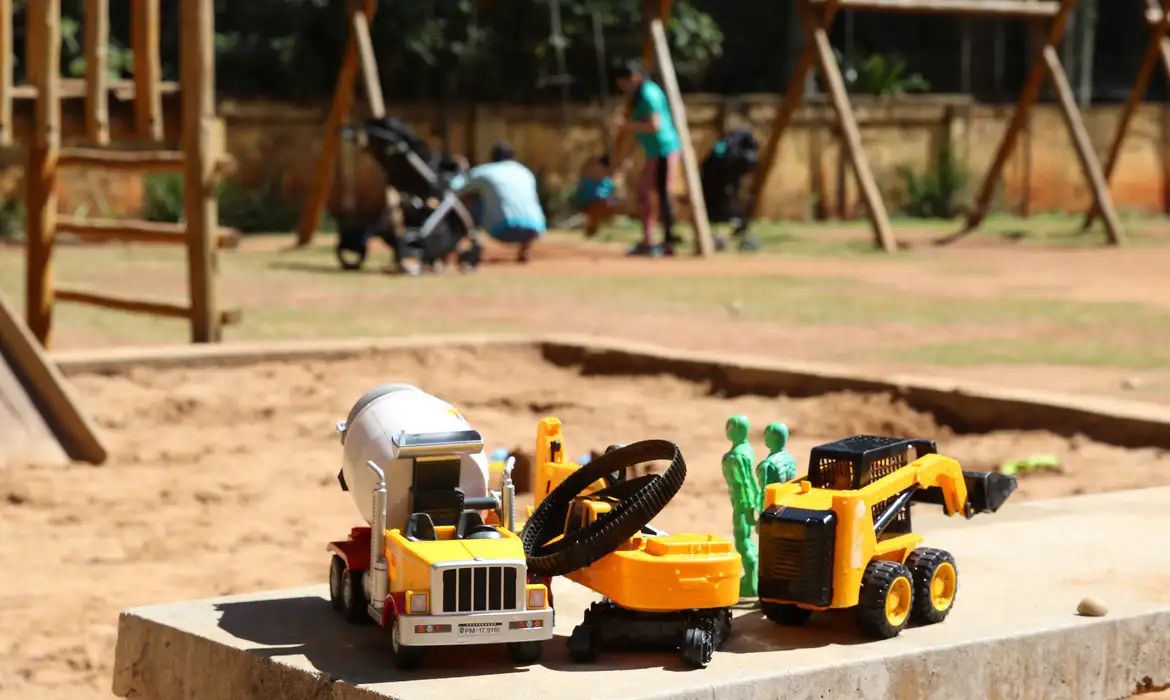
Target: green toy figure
[(745, 499), (779, 466)]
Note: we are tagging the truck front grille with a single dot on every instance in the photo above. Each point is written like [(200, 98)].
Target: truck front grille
[(796, 555), (480, 589)]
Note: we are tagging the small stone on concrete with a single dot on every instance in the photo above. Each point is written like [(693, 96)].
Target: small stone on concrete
[(1092, 607)]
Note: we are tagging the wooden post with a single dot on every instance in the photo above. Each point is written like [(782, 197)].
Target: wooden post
[(97, 74), (1156, 45), (197, 65), (850, 133), (144, 17), (6, 61), (651, 10), (1083, 145), (793, 97), (41, 173), (704, 244), (1028, 97), (338, 112), (33, 38), (371, 81)]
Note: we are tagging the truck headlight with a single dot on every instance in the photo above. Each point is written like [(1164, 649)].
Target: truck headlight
[(537, 595), (417, 603)]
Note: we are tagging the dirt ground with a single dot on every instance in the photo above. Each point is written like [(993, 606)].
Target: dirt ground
[(224, 481)]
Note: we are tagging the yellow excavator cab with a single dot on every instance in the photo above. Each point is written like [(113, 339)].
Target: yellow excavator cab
[(591, 524)]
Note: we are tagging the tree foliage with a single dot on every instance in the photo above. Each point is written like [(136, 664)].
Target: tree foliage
[(489, 49)]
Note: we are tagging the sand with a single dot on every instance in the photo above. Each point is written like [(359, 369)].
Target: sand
[(224, 481)]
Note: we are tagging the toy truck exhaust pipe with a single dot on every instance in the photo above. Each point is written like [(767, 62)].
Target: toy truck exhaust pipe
[(986, 492), (380, 569)]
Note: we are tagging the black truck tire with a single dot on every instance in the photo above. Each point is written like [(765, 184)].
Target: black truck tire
[(354, 606)]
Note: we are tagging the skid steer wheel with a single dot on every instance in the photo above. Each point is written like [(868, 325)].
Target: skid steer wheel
[(936, 580), (633, 503), (336, 576), (585, 644), (887, 596), (353, 598), (785, 614)]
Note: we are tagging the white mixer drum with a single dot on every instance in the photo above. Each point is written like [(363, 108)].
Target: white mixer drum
[(374, 420)]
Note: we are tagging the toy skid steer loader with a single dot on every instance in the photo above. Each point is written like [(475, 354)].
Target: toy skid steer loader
[(841, 537)]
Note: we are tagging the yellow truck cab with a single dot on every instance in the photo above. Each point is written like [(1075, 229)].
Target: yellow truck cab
[(444, 576)]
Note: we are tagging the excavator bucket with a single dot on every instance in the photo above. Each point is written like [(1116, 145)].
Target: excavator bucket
[(987, 491)]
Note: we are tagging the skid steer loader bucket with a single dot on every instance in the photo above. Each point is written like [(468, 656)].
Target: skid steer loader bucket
[(987, 491)]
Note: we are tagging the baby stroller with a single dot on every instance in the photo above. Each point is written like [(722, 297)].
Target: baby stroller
[(425, 220), (722, 173)]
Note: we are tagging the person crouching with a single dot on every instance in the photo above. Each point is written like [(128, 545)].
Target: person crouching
[(507, 197)]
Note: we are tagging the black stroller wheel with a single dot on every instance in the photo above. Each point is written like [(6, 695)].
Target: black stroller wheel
[(349, 259), (352, 246)]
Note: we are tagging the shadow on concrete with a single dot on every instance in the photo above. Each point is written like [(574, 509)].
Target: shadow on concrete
[(355, 654), (752, 633), (556, 658)]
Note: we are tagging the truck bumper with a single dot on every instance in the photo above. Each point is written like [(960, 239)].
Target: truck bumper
[(477, 628)]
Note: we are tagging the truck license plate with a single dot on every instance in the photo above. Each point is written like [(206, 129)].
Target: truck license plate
[(478, 628)]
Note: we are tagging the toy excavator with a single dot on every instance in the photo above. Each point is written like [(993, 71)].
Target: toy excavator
[(591, 524), (841, 537)]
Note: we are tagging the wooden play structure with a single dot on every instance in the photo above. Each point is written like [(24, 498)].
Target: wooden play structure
[(1046, 19), (359, 57), (201, 157), (39, 415), (1157, 50)]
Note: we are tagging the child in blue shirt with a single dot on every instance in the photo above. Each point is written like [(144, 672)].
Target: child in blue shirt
[(595, 194)]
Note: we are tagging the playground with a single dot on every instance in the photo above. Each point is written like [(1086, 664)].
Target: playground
[(1047, 310), (196, 446), (205, 461)]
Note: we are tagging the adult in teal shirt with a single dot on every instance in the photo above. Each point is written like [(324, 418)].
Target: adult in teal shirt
[(653, 129)]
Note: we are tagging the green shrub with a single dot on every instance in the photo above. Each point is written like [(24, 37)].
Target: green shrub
[(557, 201), (256, 210), (248, 210), (163, 200), (12, 220), (935, 193)]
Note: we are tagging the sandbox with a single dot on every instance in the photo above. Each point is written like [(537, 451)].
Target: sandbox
[(222, 481)]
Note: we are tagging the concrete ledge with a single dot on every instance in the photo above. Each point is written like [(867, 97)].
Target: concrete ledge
[(965, 407), (1013, 633)]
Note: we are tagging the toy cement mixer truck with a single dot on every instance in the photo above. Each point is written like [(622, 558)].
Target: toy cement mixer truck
[(430, 566)]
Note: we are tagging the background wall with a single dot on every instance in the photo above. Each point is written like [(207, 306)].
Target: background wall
[(277, 145)]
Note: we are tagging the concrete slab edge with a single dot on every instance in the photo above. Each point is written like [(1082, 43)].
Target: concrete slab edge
[(1110, 658), (1114, 657), (965, 407), (157, 662)]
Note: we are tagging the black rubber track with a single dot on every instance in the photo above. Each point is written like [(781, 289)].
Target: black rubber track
[(604, 535)]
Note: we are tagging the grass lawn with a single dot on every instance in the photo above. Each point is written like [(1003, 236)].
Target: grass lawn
[(829, 296)]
